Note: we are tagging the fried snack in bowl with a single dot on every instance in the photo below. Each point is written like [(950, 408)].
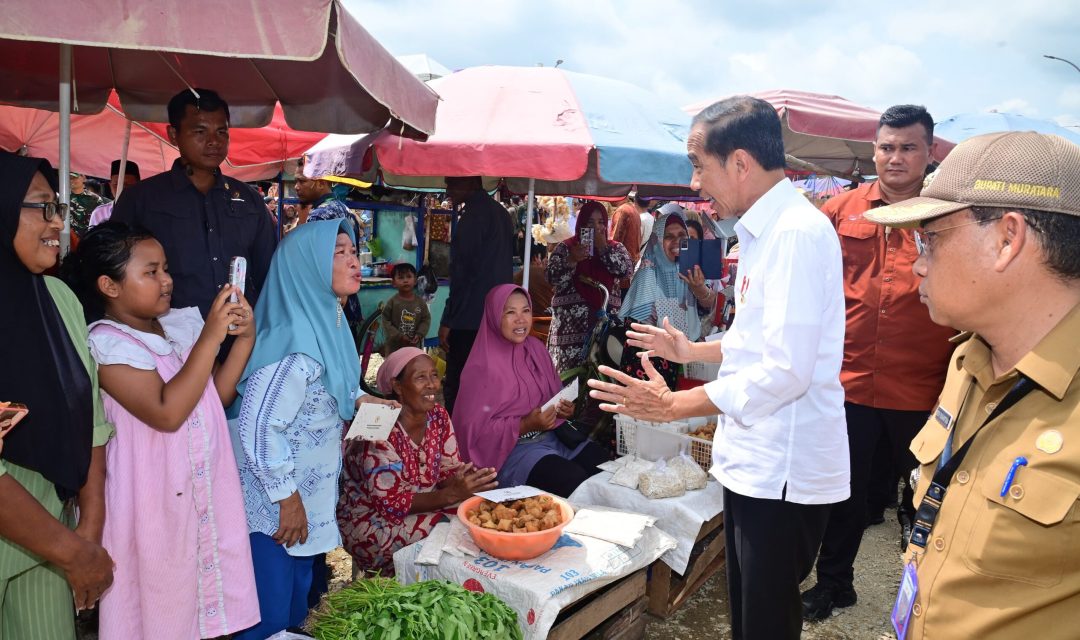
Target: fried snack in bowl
[(528, 528)]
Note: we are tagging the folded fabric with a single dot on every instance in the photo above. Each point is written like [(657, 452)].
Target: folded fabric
[(619, 527), (433, 544), (459, 542)]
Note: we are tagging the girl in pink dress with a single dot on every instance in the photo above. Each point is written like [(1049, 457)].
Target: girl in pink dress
[(174, 520)]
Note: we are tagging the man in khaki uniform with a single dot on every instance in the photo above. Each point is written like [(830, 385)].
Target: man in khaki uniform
[(998, 232)]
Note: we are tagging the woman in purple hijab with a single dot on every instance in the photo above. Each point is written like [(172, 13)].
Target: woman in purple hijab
[(498, 420)]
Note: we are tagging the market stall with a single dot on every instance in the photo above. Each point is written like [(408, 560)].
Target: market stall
[(694, 517), (539, 589)]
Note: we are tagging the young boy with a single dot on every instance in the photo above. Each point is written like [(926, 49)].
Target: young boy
[(406, 318)]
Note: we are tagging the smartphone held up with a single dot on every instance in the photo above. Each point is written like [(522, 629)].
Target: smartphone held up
[(237, 278), (586, 240)]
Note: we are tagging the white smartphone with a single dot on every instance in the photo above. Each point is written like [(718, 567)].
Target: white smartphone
[(237, 278), (238, 275)]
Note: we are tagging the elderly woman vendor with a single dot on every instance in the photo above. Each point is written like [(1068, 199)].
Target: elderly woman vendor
[(396, 491)]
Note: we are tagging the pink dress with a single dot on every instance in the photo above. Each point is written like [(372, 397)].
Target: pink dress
[(174, 519)]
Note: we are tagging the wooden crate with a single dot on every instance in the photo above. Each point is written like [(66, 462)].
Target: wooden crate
[(667, 590), (616, 611)]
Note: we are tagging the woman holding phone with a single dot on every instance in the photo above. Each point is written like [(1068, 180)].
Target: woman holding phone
[(660, 291), (589, 255), (54, 459)]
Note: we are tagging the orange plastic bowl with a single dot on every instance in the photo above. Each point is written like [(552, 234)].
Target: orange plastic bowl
[(514, 546)]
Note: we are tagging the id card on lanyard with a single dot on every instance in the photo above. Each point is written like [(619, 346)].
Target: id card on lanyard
[(927, 512), (905, 600)]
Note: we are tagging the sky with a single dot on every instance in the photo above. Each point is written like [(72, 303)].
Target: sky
[(953, 57)]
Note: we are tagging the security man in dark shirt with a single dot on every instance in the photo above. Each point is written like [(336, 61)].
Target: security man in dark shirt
[(481, 258), (201, 217)]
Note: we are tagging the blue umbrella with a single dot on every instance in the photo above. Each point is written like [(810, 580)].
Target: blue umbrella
[(967, 125)]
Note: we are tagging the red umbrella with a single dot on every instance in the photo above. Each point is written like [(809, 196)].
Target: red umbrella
[(97, 140), (254, 53), (829, 133), (257, 53)]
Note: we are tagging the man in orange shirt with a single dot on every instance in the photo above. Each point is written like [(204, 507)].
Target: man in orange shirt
[(626, 230), (895, 357)]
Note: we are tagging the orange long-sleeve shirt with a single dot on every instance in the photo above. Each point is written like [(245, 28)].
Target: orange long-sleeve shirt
[(895, 357)]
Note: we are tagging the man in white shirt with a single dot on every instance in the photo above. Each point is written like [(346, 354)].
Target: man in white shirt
[(781, 448)]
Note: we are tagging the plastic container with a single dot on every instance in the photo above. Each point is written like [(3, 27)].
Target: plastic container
[(514, 546), (649, 440), (700, 450)]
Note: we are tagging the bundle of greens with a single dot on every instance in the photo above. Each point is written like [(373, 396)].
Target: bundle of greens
[(382, 609)]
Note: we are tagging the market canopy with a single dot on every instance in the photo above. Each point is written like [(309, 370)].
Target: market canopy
[(569, 133), (254, 54), (966, 125), (829, 134), (97, 140)]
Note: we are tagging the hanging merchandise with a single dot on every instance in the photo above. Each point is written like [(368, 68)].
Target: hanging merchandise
[(426, 282), (408, 236)]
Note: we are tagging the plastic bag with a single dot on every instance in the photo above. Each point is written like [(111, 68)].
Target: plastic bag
[(693, 476), (408, 236), (630, 473), (663, 481)]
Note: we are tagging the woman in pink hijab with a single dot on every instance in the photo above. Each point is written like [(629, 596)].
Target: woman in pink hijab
[(498, 417), (396, 491)]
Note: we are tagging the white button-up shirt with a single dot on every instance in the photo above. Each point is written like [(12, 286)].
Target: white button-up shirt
[(783, 432)]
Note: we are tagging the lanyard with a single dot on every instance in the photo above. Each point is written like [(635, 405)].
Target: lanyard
[(935, 494)]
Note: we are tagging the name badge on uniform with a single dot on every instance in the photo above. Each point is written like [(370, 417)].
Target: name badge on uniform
[(905, 601), (943, 417)]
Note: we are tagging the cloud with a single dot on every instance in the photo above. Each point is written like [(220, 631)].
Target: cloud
[(1018, 106), (1070, 97), (1068, 120), (954, 58)]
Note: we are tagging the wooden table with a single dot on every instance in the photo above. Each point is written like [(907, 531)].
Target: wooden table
[(617, 609), (699, 531), (668, 590)]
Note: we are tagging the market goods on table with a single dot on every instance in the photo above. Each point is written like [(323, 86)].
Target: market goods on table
[(383, 609), (518, 516), (523, 544)]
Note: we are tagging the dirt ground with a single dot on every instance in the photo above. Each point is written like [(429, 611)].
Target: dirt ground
[(877, 575)]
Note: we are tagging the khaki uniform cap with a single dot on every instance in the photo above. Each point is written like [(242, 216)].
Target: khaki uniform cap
[(1017, 169)]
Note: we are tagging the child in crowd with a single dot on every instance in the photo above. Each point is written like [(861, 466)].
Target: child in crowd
[(174, 522), (406, 318)]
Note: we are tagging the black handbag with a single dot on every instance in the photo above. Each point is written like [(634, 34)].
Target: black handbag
[(570, 434)]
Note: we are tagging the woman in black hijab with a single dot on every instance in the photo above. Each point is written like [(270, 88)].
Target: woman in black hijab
[(54, 459)]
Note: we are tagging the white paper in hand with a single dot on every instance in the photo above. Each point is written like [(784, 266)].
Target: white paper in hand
[(373, 422), (568, 393)]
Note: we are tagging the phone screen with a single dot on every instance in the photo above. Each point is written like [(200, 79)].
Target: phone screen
[(587, 240)]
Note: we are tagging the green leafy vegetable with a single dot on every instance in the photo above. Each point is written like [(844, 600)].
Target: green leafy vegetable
[(382, 609)]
